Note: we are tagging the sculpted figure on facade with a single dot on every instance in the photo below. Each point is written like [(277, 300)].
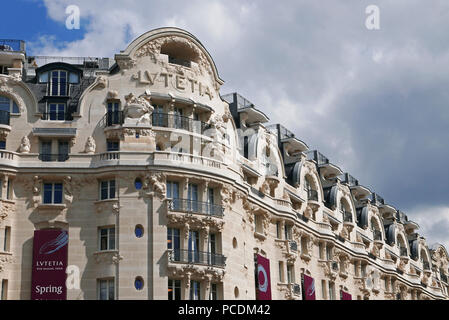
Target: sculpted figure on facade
[(138, 108), (101, 82), (90, 145), (25, 145)]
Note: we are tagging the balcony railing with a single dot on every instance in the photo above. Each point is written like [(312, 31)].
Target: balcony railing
[(334, 265), (112, 118), (12, 45), (317, 156), (376, 199), (296, 289), (377, 235), (347, 216), (293, 245), (197, 207), (53, 157), (57, 116), (164, 120), (350, 180), (403, 252), (312, 195), (174, 121), (197, 257), (4, 117)]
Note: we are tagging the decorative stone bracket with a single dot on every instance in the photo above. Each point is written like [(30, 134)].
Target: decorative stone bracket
[(110, 257)]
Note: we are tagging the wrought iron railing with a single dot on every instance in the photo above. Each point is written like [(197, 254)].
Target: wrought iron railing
[(296, 289), (53, 157), (175, 121), (112, 118), (197, 257), (317, 156), (334, 265), (197, 207), (312, 195), (4, 117), (293, 245)]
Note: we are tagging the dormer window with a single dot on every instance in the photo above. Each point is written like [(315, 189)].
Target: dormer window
[(58, 81)]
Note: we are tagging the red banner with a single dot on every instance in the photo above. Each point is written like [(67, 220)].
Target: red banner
[(345, 295), (309, 287), (50, 248), (263, 278)]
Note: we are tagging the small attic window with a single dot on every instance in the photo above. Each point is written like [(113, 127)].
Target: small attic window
[(180, 53)]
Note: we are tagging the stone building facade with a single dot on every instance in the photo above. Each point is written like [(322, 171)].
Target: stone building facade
[(168, 189)]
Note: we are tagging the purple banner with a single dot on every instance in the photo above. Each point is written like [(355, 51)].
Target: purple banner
[(309, 287), (50, 249), (345, 295), (263, 278)]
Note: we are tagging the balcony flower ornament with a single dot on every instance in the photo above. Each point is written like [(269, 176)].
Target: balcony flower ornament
[(90, 145), (25, 145), (138, 108)]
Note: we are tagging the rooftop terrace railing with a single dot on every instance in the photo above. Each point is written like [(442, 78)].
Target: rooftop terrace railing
[(317, 156), (350, 180), (12, 45)]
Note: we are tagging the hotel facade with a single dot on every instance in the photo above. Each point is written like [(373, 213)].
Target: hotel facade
[(137, 177)]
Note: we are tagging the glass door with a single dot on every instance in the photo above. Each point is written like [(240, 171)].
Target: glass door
[(192, 203), (173, 193), (193, 246)]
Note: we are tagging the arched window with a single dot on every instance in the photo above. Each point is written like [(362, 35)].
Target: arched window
[(8, 105)]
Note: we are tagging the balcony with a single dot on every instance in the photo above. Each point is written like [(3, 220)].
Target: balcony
[(112, 118), (61, 157), (4, 117), (196, 207), (327, 169), (356, 189), (57, 116), (285, 136), (197, 257)]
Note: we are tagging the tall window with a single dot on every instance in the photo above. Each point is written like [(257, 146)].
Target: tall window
[(2, 144), (281, 271), (195, 290), (8, 105), (210, 200), (213, 295), (58, 83), (106, 289), (287, 232), (173, 193), (278, 229), (52, 193), (174, 242), (106, 238), (331, 291), (7, 239), (178, 123), (328, 253), (193, 197), (193, 246), (323, 289), (107, 189), (113, 114), (63, 150), (258, 223), (159, 118), (174, 289), (212, 248), (4, 293), (290, 273)]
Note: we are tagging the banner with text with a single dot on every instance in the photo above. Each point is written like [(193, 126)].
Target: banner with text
[(50, 251), (308, 285), (345, 295), (263, 278)]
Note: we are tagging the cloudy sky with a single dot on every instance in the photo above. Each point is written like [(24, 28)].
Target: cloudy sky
[(373, 101)]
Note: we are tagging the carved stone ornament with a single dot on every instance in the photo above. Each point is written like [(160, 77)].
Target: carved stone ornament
[(126, 63), (157, 181), (6, 209), (110, 257), (4, 260), (138, 108), (90, 145), (101, 82), (25, 145), (6, 82)]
